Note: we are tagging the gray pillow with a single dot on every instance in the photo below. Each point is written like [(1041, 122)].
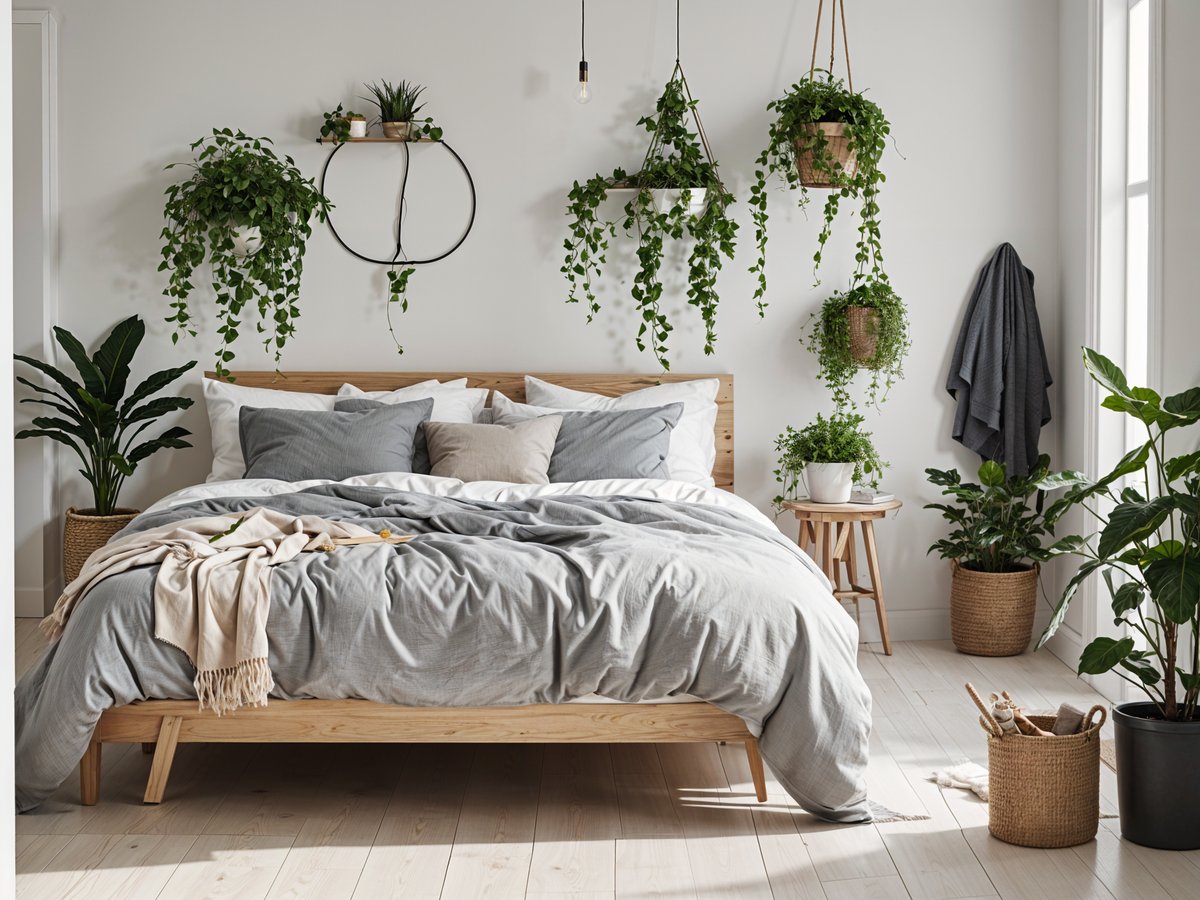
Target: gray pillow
[(295, 445), (420, 461), (594, 444), (517, 453)]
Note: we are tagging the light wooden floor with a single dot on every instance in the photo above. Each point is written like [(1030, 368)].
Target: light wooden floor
[(584, 821)]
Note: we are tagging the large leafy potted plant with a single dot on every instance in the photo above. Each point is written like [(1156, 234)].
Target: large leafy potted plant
[(831, 455), (1147, 548), (103, 424), (677, 192), (825, 135), (995, 542), (864, 328), (248, 212), (398, 108)]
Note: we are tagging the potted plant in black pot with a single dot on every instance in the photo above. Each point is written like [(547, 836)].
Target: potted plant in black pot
[(831, 455), (995, 542), (103, 423), (1147, 549)]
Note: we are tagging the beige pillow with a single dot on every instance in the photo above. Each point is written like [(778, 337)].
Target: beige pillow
[(514, 453)]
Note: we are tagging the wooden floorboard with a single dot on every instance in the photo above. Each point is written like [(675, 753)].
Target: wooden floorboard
[(585, 821)]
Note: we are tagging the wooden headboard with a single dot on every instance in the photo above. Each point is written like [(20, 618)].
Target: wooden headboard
[(512, 385)]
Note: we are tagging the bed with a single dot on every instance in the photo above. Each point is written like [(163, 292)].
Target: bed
[(815, 693)]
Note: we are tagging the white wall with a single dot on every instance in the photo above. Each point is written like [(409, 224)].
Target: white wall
[(969, 87)]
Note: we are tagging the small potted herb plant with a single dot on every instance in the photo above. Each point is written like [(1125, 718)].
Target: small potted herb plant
[(831, 455), (342, 125), (677, 192), (825, 135), (1147, 547), (865, 327), (398, 107), (249, 213), (995, 541), (102, 422)]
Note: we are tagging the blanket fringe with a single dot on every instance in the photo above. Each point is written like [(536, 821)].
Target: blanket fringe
[(246, 684)]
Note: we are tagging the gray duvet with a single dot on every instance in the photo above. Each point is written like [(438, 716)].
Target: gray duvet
[(501, 604)]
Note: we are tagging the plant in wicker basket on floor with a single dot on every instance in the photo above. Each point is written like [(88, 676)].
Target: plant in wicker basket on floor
[(993, 546), (103, 424), (1148, 549)]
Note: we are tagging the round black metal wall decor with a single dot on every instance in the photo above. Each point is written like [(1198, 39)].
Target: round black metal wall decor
[(396, 260)]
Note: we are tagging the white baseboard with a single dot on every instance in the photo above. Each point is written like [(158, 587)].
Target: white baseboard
[(904, 624)]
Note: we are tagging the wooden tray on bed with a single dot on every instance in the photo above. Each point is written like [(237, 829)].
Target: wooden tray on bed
[(160, 725)]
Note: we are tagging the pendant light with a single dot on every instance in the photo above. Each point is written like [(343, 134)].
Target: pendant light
[(585, 90)]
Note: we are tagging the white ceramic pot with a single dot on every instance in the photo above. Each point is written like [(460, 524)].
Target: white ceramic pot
[(246, 240), (829, 482), (666, 198), (358, 128)]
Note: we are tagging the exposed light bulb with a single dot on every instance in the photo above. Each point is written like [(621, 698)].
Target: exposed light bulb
[(585, 90)]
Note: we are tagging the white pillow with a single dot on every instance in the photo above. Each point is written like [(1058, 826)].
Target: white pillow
[(453, 401), (225, 401), (693, 445)]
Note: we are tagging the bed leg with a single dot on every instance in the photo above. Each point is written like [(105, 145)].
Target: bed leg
[(89, 773), (164, 755), (147, 747), (757, 775)]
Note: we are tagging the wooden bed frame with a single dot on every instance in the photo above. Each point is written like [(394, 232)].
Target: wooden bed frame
[(161, 725)]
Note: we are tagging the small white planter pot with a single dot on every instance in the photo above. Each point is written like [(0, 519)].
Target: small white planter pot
[(246, 240), (358, 128), (829, 482), (666, 198)]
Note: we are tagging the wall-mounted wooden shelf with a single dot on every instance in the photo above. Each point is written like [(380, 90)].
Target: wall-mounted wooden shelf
[(377, 140)]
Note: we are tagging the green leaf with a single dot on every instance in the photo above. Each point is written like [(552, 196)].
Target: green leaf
[(120, 463), (1103, 654), (115, 355), (1147, 674), (1185, 405), (1131, 522), (1127, 597), (1064, 603), (172, 438), (1179, 466), (1106, 373), (1056, 480), (157, 408), (153, 385), (1175, 586), (68, 384), (93, 380), (991, 473)]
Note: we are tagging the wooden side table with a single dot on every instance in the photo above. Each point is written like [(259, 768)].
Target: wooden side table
[(829, 529)]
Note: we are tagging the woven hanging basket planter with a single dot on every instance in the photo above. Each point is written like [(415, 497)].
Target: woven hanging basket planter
[(84, 534), (1044, 791), (863, 322), (843, 160), (991, 613)]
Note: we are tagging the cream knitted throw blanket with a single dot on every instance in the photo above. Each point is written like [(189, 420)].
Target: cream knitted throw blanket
[(212, 593)]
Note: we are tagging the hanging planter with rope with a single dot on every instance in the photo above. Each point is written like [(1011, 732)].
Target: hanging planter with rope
[(676, 192), (825, 136)]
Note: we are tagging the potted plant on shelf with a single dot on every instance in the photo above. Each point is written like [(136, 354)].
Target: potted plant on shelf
[(1148, 550), (248, 212), (825, 135), (865, 327), (676, 192), (398, 108), (103, 423), (831, 455), (342, 125), (994, 547)]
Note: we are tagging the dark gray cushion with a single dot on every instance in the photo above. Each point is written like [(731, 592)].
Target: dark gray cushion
[(631, 443), (295, 445), (420, 463)]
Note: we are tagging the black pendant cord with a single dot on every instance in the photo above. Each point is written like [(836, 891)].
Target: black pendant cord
[(676, 32), (583, 29), (396, 260)]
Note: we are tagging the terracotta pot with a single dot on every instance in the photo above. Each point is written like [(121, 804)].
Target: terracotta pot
[(837, 144), (84, 533), (863, 322), (991, 613)]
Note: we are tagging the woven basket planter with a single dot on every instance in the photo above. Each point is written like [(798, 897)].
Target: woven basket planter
[(991, 613), (863, 322), (837, 144), (84, 534), (1045, 791)]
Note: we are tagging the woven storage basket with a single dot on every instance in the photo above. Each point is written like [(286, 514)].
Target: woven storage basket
[(84, 534), (837, 144), (863, 322), (991, 613), (1044, 791)]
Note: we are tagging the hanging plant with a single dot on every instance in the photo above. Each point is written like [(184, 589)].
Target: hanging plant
[(248, 212), (677, 192), (864, 328)]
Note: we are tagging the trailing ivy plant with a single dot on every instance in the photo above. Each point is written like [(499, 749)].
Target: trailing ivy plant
[(823, 98), (238, 182), (337, 123), (675, 159), (837, 439), (828, 336)]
